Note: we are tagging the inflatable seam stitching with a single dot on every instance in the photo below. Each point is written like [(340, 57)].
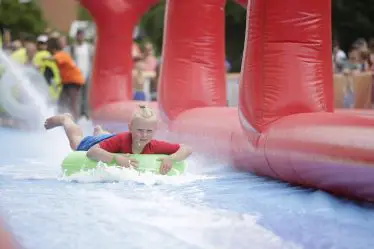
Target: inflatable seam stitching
[(266, 157)]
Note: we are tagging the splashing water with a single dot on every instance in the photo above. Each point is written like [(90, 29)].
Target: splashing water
[(103, 173), (209, 207), (20, 97)]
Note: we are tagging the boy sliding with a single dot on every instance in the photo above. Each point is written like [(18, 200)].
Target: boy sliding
[(104, 146)]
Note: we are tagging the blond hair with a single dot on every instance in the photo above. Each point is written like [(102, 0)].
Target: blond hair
[(144, 112)]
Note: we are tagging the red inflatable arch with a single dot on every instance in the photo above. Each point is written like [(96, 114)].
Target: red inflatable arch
[(284, 127)]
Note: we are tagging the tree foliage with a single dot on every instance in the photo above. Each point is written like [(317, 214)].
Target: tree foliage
[(351, 20), (21, 17), (153, 24), (235, 24), (83, 14)]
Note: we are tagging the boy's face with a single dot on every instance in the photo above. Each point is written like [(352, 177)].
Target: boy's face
[(142, 130)]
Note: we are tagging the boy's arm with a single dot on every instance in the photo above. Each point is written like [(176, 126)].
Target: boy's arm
[(105, 150), (175, 152), (98, 154), (181, 154)]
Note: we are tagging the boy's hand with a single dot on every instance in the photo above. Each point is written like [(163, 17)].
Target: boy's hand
[(126, 162), (165, 166)]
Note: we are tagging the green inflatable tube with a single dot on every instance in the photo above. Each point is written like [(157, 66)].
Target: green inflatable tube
[(77, 161)]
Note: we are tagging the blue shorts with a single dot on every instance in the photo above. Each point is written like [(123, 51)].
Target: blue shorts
[(90, 141), (138, 95)]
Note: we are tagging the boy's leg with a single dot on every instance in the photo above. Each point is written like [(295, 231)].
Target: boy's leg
[(72, 130)]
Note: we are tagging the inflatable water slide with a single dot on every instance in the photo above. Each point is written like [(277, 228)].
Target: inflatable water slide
[(284, 127)]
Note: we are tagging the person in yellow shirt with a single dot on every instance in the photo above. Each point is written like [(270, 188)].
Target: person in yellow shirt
[(20, 55), (41, 43), (5, 38), (47, 68)]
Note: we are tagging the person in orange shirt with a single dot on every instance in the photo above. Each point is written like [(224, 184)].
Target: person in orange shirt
[(71, 78)]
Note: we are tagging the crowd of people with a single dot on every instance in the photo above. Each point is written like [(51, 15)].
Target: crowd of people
[(66, 65), (359, 57)]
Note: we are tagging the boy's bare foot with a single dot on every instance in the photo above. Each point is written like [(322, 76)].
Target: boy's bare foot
[(98, 130), (56, 120)]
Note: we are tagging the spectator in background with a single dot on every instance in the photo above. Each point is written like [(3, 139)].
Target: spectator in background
[(135, 50), (354, 63), (339, 57), (154, 81), (371, 67), (371, 54), (137, 73), (41, 43), (227, 65), (82, 53), (63, 43), (357, 63), (30, 49), (149, 61), (1, 36), (54, 34), (363, 53), (361, 44), (47, 68), (349, 68), (5, 39), (19, 55), (138, 81), (71, 78), (48, 31), (15, 45)]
